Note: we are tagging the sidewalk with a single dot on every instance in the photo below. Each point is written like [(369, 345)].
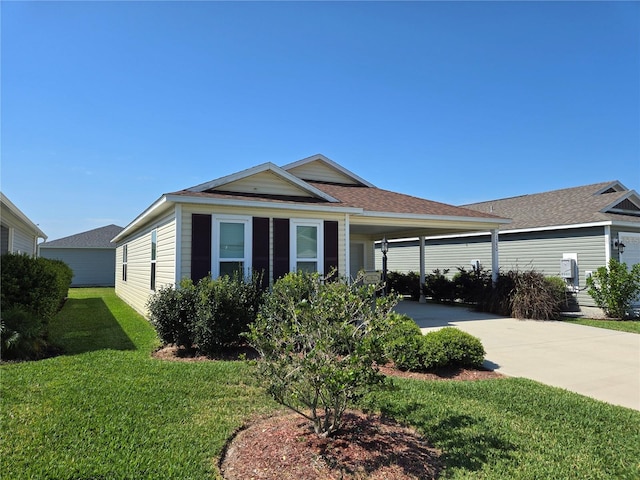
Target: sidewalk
[(596, 362)]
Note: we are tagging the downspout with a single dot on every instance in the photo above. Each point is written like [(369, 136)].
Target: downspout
[(607, 245), (178, 252), (495, 261), (422, 268)]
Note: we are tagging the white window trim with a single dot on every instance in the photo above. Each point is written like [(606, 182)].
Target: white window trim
[(248, 237), (153, 282), (125, 262), (293, 247)]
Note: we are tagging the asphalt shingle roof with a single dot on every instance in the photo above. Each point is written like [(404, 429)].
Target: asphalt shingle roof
[(368, 198), (96, 238), (569, 206)]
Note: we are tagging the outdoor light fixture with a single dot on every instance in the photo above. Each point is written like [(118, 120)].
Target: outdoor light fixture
[(384, 248), (384, 245), (618, 245)]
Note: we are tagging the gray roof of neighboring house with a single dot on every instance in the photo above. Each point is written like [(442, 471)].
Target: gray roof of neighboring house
[(570, 206), (96, 238)]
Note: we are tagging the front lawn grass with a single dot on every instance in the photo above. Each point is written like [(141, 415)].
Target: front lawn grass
[(631, 326), (107, 409)]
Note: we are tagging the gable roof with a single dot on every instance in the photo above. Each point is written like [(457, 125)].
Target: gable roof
[(96, 238), (607, 202), (319, 168), (315, 183), (255, 181)]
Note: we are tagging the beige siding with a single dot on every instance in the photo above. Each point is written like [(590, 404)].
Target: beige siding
[(265, 183), (541, 251), (320, 172), (271, 213), (137, 289), (21, 239)]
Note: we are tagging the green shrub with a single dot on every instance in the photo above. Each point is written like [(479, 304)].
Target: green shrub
[(225, 308), (558, 288), (472, 286), (439, 287), (401, 342), (404, 284), (455, 347), (317, 345), (614, 288), (172, 313), (207, 316), (410, 350), (22, 335), (38, 285)]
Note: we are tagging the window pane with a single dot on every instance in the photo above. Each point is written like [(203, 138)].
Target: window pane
[(154, 244), (231, 240), (307, 267), (307, 241), (229, 268)]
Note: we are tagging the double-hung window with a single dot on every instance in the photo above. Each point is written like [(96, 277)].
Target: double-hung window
[(154, 253), (232, 245), (125, 255), (306, 245)]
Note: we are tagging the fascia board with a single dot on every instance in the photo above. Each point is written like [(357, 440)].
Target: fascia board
[(268, 166), (149, 212), (418, 216), (18, 213), (332, 164), (257, 204)]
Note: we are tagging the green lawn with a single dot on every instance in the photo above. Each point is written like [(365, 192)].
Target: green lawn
[(632, 326), (107, 409)]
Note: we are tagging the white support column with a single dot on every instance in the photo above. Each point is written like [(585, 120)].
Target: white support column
[(347, 248), (495, 261), (422, 272)]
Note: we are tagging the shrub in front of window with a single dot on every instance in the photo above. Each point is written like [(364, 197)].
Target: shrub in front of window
[(207, 316), (318, 344), (226, 306)]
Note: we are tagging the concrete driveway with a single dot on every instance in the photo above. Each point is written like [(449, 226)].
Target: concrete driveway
[(599, 363)]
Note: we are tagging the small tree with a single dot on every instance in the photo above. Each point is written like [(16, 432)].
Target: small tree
[(614, 288), (319, 342)]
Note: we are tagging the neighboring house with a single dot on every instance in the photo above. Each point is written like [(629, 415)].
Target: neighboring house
[(311, 215), (584, 226), (18, 234), (91, 256)]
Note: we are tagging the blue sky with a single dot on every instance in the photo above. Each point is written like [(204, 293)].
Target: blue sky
[(108, 105)]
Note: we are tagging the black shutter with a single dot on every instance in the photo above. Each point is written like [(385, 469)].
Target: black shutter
[(280, 247), (200, 246), (260, 249), (330, 247)]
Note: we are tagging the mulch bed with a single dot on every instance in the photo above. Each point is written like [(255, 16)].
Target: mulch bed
[(368, 446)]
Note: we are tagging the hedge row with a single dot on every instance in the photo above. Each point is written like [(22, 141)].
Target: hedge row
[(519, 294), (32, 291)]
